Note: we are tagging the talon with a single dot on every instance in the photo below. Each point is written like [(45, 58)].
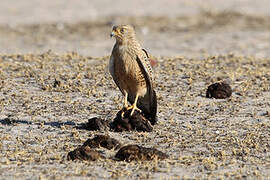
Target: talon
[(133, 107), (123, 114), (133, 110)]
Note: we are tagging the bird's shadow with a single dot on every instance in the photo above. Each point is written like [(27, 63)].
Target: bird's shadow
[(59, 124), (11, 121)]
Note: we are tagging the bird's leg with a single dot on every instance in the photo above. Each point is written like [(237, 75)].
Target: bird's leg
[(126, 101), (125, 104), (134, 106)]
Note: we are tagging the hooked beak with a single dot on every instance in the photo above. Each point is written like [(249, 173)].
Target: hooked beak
[(112, 34)]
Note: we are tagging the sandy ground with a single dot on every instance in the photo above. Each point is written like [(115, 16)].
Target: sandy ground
[(196, 43)]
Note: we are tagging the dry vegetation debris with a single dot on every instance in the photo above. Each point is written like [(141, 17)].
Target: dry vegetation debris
[(44, 97)]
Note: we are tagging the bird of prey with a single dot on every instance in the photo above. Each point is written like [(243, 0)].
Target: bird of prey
[(131, 71)]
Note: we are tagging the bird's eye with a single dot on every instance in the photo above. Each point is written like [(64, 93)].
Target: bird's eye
[(122, 30)]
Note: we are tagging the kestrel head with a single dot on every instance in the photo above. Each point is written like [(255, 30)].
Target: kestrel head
[(123, 32)]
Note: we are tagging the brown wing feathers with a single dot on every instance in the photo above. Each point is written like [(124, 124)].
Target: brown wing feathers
[(149, 107)]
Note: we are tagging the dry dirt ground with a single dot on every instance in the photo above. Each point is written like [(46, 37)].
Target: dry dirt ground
[(45, 94), (203, 137)]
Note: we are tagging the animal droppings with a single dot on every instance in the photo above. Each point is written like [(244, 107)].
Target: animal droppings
[(130, 123), (139, 153), (102, 141), (84, 153), (220, 90)]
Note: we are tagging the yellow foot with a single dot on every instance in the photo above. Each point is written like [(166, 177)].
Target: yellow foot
[(124, 109), (133, 107)]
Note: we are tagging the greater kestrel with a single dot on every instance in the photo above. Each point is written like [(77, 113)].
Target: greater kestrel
[(131, 71)]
